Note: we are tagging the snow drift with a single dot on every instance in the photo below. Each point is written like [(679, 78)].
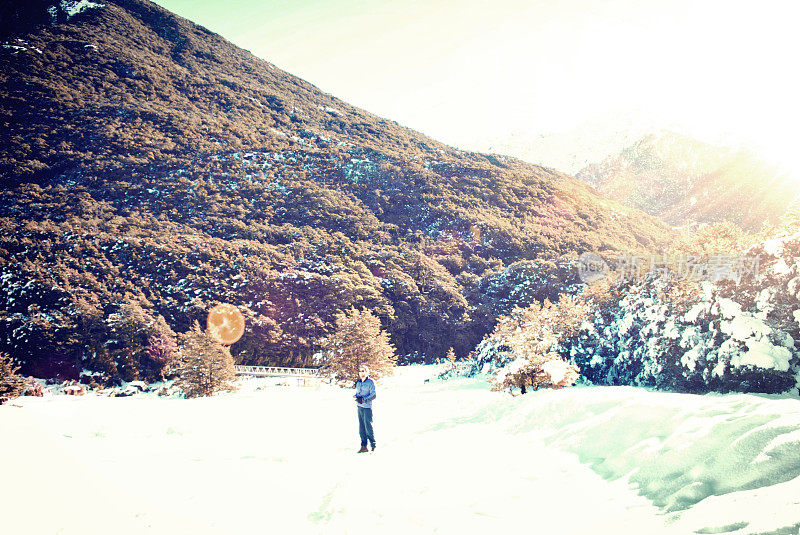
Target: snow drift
[(452, 457)]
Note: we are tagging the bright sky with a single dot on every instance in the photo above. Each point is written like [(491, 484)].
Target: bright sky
[(465, 72)]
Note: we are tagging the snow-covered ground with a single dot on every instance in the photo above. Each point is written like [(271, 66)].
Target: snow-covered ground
[(452, 457)]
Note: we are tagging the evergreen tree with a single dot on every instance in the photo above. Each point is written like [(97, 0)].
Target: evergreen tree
[(134, 330), (11, 384), (358, 340), (451, 357), (206, 367)]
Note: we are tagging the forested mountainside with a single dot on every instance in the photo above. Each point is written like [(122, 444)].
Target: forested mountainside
[(151, 169), (685, 182)]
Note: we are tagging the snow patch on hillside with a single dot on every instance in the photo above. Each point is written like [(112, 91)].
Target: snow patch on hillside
[(72, 8)]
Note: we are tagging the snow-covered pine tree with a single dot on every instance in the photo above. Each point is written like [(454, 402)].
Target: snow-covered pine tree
[(358, 340), (205, 366), (732, 330)]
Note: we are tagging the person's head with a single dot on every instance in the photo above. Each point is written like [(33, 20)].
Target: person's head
[(363, 372)]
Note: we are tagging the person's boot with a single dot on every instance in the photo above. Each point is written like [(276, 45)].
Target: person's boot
[(363, 449), (373, 446)]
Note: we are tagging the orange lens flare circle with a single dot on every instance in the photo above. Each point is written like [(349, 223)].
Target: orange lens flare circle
[(225, 324)]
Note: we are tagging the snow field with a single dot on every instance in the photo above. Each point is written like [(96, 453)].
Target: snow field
[(452, 457)]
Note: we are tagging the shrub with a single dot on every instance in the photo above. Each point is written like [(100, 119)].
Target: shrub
[(162, 349), (32, 387), (522, 351)]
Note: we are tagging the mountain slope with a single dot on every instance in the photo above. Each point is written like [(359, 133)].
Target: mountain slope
[(684, 181), (149, 163)]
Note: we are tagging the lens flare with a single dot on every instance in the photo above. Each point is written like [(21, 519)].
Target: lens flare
[(225, 324)]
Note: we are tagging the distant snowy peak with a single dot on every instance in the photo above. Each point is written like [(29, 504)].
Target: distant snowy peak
[(687, 182)]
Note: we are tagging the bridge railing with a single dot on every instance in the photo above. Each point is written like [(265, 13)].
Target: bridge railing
[(275, 371)]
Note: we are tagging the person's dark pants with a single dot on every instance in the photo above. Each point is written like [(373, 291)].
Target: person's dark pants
[(365, 426)]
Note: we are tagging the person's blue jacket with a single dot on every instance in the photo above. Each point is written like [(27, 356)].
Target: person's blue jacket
[(366, 390)]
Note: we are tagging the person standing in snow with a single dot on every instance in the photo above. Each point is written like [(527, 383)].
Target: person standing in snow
[(365, 393)]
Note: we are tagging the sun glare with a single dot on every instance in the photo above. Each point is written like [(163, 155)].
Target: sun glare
[(718, 70)]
